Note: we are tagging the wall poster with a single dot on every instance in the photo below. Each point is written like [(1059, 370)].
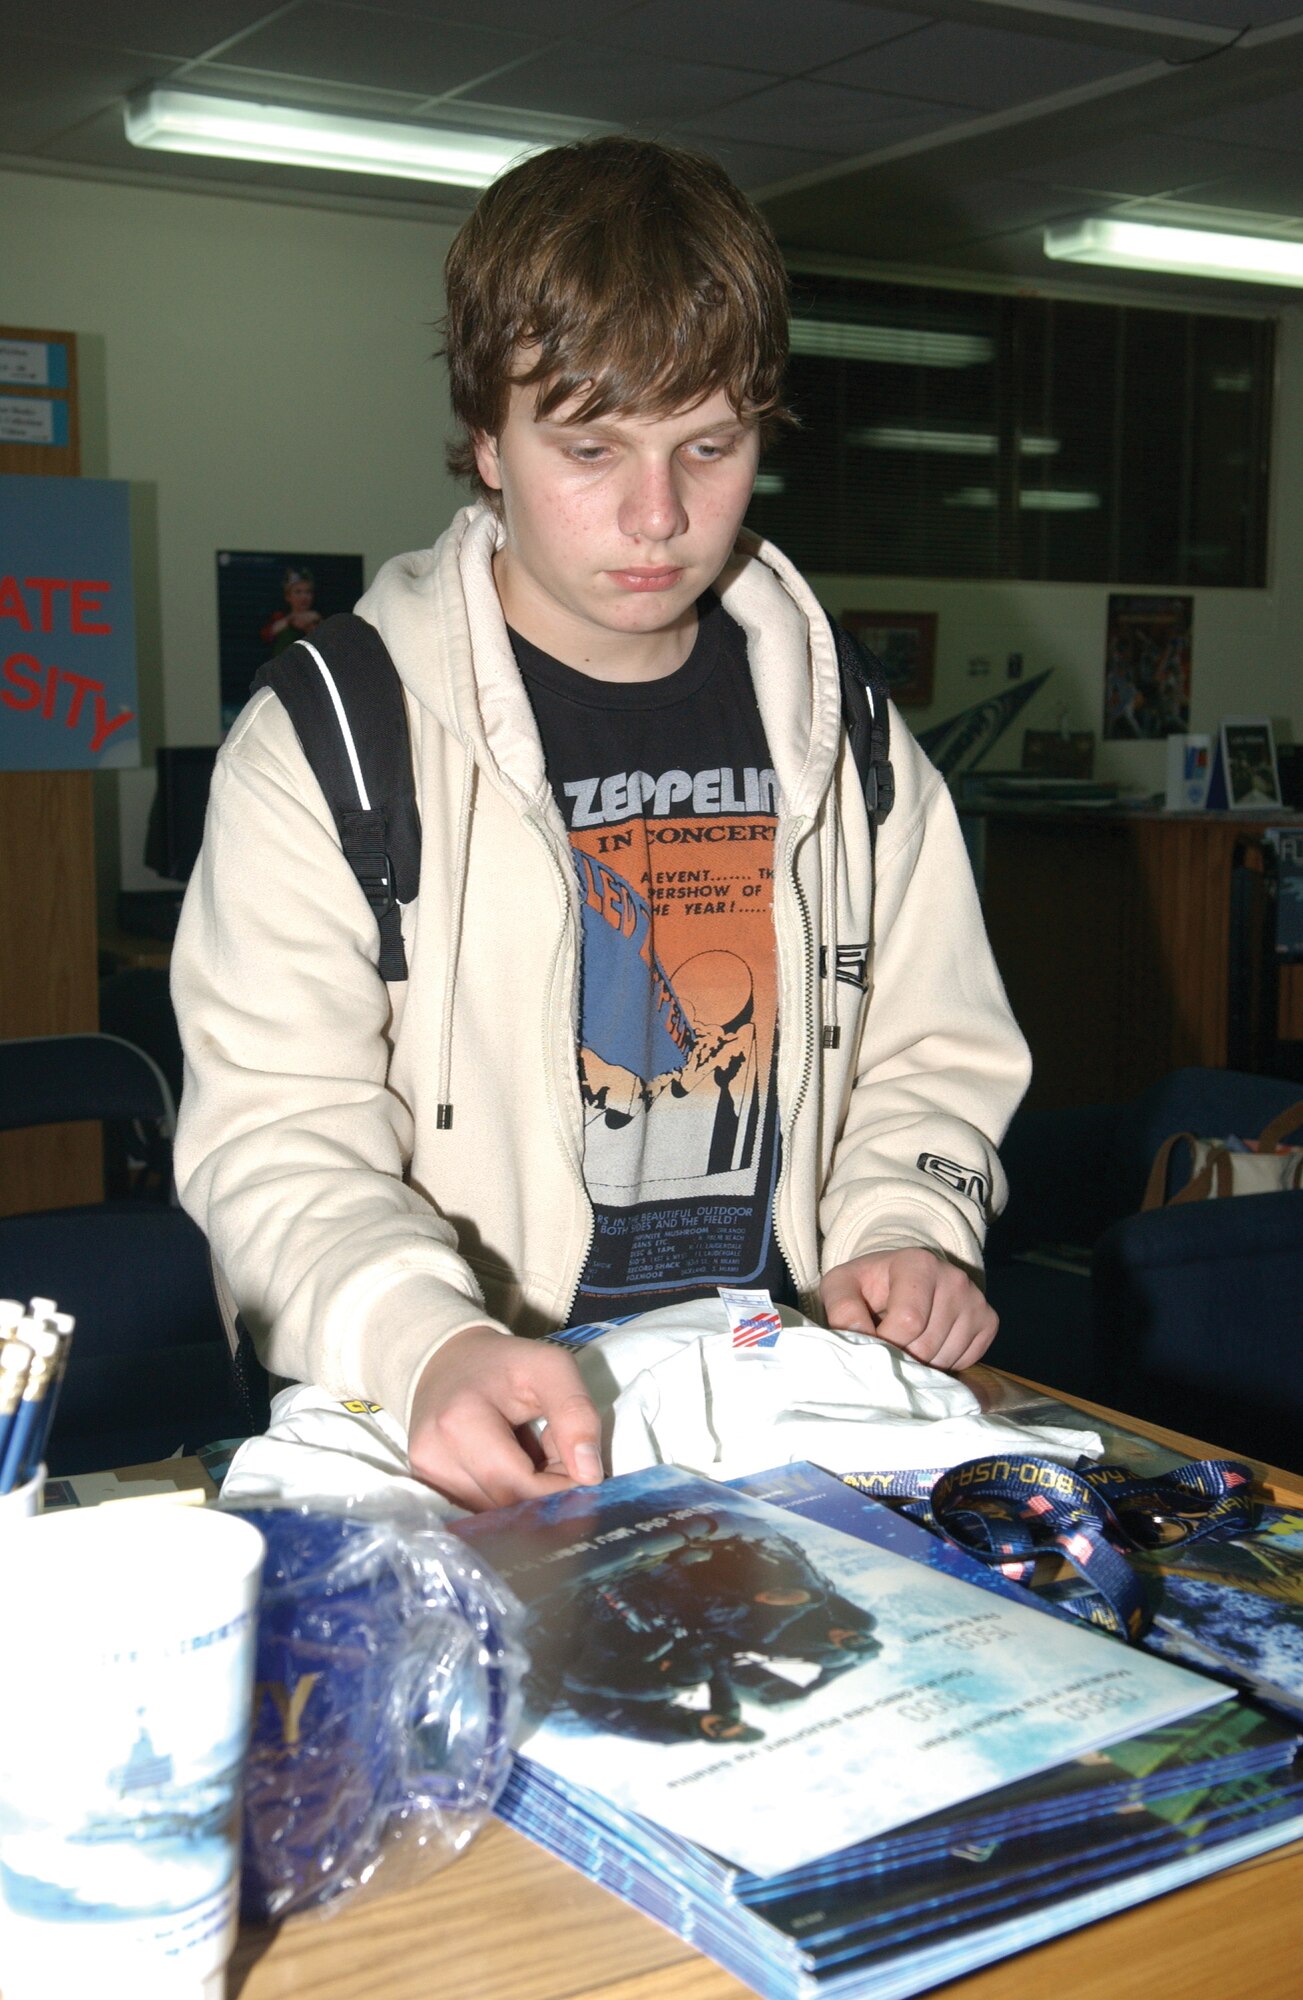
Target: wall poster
[(67, 625), (1147, 667), (266, 600)]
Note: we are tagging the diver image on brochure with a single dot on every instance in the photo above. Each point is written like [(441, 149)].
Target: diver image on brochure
[(703, 1659)]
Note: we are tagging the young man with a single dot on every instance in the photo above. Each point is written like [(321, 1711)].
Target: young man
[(669, 1022)]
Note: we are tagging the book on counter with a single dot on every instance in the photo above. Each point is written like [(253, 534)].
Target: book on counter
[(774, 1689)]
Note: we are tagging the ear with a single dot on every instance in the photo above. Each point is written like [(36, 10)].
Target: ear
[(487, 461)]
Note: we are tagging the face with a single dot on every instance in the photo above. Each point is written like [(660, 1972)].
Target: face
[(613, 529), (299, 594)]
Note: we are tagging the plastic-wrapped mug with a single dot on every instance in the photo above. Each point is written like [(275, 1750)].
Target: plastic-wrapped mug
[(387, 1686), (125, 1692)]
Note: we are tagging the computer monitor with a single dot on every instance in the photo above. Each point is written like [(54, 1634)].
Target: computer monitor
[(176, 817)]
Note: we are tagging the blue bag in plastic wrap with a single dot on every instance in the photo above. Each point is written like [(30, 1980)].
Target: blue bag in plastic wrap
[(388, 1678)]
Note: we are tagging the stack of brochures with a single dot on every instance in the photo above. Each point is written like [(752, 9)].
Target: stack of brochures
[(842, 1757)]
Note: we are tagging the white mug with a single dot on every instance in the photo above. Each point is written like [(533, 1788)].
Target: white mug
[(125, 1693), (22, 1501)]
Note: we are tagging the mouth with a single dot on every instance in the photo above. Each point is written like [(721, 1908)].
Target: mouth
[(661, 578)]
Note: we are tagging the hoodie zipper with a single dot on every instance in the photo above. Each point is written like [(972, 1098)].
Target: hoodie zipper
[(807, 1062), (566, 1137)]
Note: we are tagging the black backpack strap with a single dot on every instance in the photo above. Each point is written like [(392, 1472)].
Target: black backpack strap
[(868, 721), (344, 697)]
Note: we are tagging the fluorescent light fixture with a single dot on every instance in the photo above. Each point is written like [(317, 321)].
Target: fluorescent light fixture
[(1058, 500), (1041, 499), (969, 444), (845, 340), (1197, 253), (233, 128), (769, 482)]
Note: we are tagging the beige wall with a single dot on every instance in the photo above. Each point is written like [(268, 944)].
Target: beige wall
[(263, 375)]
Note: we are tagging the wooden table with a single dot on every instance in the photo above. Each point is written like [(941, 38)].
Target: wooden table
[(508, 1922)]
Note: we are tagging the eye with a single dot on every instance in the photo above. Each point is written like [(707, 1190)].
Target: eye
[(585, 454), (707, 450)]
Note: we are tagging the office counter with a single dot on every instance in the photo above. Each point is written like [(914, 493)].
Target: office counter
[(1131, 943)]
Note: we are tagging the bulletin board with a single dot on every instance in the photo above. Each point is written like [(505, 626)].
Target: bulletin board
[(40, 429)]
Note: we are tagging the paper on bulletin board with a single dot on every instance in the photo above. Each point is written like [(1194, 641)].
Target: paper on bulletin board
[(67, 626)]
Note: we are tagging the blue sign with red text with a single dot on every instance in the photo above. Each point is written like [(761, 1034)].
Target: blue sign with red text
[(67, 626)]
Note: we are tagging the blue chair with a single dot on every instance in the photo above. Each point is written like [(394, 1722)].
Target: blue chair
[(149, 1371), (1197, 1321), (1190, 1316)]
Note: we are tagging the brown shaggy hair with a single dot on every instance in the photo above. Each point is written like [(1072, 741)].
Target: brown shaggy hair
[(631, 270)]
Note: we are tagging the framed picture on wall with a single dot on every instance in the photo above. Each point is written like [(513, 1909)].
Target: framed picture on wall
[(266, 600), (1249, 762), (1147, 649), (906, 644)]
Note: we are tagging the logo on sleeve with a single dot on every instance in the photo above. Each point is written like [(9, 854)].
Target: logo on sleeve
[(852, 966), (964, 1180)]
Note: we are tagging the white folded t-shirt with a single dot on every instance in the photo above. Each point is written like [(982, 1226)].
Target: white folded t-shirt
[(672, 1389)]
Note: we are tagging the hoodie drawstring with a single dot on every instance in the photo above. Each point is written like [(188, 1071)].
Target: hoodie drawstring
[(831, 1034), (443, 1115)]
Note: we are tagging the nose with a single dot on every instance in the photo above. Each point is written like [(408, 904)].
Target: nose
[(651, 506)]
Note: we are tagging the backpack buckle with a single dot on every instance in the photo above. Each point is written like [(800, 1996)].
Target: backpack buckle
[(376, 880)]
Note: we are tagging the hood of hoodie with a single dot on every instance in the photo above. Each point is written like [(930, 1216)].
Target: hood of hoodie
[(438, 612)]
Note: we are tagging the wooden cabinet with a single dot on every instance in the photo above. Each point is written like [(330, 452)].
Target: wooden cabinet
[(47, 876), (1113, 934)]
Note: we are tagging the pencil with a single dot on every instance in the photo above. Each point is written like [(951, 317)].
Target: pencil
[(62, 1324), (27, 1425), (15, 1361)]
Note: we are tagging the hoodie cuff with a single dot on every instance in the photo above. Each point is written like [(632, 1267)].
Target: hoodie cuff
[(385, 1347)]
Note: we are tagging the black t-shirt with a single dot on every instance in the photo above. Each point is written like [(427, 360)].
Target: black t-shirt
[(669, 798)]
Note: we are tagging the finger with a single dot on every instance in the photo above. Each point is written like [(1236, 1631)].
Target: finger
[(450, 1480), (844, 1304), (904, 1320), (960, 1327), (504, 1468), (574, 1437), (475, 1458), (969, 1340)]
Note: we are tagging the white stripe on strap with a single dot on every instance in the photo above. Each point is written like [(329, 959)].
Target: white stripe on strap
[(344, 729)]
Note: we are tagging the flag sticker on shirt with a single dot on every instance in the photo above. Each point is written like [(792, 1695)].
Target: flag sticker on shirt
[(752, 1316)]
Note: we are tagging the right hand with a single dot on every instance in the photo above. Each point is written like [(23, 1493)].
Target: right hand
[(467, 1436)]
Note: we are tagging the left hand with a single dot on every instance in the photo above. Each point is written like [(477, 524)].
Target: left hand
[(916, 1301)]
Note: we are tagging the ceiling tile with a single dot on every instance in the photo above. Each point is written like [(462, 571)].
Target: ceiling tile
[(765, 34), (751, 164), (1274, 121), (45, 88), (378, 51), (522, 17), (1217, 13), (1147, 163), (984, 67), (822, 115), (182, 28), (580, 80), (913, 217), (1274, 187)]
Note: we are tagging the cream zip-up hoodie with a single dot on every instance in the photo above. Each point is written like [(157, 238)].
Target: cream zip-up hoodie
[(359, 1223)]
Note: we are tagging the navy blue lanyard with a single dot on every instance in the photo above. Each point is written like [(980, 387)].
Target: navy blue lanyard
[(1011, 1510)]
